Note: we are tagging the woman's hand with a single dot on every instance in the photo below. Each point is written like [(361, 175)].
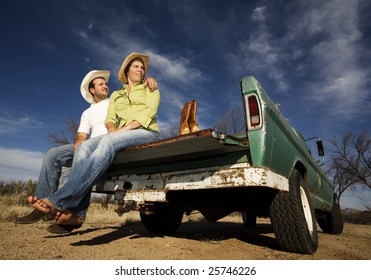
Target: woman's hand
[(130, 126), (110, 128)]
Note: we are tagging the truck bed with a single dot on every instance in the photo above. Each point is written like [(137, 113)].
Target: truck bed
[(179, 152)]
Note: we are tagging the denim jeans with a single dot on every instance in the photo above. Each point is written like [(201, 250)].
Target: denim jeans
[(51, 168), (92, 159)]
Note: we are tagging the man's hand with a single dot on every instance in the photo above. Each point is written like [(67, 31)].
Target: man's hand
[(151, 82), (80, 137), (76, 144)]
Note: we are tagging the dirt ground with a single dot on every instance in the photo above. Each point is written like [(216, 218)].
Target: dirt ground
[(193, 241)]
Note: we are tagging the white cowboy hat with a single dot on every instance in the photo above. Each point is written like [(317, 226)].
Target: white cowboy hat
[(122, 77), (84, 88)]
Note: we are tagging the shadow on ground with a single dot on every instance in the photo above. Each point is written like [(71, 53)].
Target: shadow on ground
[(202, 231)]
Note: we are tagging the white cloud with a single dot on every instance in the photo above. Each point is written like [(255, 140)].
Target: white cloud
[(175, 69), (263, 53), (341, 79), (18, 164), (14, 119), (259, 14), (321, 44), (83, 34), (114, 43)]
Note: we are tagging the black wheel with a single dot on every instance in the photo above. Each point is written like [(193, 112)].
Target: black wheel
[(331, 222), (165, 218), (293, 218), (249, 220)]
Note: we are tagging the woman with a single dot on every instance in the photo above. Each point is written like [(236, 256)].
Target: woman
[(131, 120)]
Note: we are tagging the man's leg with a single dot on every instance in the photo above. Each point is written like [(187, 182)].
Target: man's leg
[(54, 159), (89, 169)]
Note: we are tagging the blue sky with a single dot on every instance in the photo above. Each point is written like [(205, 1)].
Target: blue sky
[(312, 57)]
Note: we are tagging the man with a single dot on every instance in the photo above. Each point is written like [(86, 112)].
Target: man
[(94, 89)]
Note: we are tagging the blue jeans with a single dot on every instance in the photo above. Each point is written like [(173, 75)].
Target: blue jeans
[(92, 159), (51, 168)]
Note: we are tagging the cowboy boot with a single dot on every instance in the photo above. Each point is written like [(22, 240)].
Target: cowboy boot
[(192, 122), (184, 115)]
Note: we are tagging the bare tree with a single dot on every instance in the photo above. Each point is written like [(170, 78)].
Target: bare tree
[(61, 139), (232, 122), (359, 193), (341, 178), (350, 166)]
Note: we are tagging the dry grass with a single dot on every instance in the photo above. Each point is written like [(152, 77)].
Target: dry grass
[(12, 206), (15, 206), (99, 216)]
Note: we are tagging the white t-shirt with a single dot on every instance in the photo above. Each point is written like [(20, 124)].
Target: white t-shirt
[(92, 119)]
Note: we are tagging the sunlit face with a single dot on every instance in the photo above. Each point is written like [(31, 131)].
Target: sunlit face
[(136, 71), (100, 90)]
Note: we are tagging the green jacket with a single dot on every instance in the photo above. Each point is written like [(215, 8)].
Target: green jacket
[(141, 105)]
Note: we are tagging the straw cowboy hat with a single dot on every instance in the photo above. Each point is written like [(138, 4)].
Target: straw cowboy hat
[(122, 76), (84, 88)]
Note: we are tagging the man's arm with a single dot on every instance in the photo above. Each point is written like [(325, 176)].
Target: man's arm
[(80, 137)]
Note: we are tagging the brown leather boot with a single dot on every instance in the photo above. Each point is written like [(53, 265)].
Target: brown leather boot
[(192, 122), (184, 115)]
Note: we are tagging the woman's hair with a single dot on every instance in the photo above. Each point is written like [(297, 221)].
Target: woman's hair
[(126, 70)]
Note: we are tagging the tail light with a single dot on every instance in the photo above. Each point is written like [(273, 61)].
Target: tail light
[(254, 112)]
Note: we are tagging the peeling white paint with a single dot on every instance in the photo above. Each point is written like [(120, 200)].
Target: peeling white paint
[(153, 187)]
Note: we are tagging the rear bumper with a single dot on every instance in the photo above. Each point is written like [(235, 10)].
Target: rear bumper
[(153, 187)]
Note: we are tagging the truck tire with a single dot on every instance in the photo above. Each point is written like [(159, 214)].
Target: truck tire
[(293, 218), (331, 222), (164, 219), (249, 220)]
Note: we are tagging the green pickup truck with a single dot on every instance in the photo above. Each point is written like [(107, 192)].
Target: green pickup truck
[(268, 171)]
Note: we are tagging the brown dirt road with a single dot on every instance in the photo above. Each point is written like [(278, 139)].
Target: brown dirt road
[(223, 240)]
